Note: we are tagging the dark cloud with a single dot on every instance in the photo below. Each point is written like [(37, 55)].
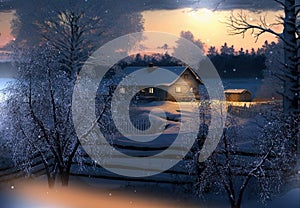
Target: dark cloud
[(121, 17), (222, 4), (243, 4), (116, 19), (142, 5), (210, 4), (214, 4)]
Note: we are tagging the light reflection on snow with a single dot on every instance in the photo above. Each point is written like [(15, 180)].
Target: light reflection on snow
[(40, 196)]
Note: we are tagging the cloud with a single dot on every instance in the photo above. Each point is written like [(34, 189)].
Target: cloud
[(142, 5), (118, 16), (210, 4), (229, 4), (253, 5)]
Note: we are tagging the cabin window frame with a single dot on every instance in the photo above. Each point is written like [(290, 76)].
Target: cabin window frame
[(193, 89), (122, 90), (151, 90), (178, 89)]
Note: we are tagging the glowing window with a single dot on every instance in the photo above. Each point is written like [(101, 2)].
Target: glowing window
[(192, 89), (151, 90), (122, 90), (178, 89)]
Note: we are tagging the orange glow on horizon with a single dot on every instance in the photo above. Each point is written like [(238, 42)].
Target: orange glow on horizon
[(208, 26), (205, 24), (5, 29)]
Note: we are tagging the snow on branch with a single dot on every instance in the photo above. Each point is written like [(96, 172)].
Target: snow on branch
[(252, 173)]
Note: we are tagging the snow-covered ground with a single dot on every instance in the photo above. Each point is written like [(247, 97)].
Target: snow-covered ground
[(248, 128), (291, 199), (4, 82)]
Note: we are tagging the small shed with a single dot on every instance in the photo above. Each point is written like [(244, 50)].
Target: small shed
[(238, 95)]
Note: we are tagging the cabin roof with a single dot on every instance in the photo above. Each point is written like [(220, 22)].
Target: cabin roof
[(155, 76)]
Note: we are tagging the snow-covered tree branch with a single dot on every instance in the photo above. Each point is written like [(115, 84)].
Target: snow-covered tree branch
[(233, 169)]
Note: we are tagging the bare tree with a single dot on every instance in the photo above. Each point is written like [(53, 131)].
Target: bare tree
[(232, 169), (117, 19), (290, 76), (40, 116), (73, 34), (40, 105)]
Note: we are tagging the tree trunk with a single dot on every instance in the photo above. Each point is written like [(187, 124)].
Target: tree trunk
[(236, 203), (232, 204), (291, 98), (65, 178), (51, 182), (236, 206), (291, 90)]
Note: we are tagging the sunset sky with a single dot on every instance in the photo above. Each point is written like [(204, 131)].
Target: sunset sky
[(5, 27), (206, 25)]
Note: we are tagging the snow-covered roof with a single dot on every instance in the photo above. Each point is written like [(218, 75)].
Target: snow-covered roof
[(236, 91), (155, 76)]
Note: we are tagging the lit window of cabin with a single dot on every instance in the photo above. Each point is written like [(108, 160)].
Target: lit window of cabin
[(122, 90), (151, 90), (193, 89), (178, 89)]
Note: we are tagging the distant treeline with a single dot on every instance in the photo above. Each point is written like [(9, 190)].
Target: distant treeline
[(235, 65), (239, 66)]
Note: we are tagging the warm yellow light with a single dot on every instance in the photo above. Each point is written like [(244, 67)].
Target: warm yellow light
[(202, 15), (5, 24), (83, 196), (209, 26)]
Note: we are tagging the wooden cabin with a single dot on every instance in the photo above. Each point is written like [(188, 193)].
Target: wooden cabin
[(238, 95), (156, 84)]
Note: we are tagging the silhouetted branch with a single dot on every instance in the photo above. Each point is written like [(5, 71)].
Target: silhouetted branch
[(239, 25), (281, 3)]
